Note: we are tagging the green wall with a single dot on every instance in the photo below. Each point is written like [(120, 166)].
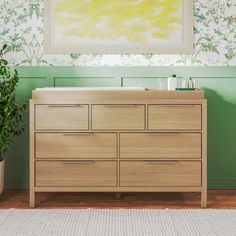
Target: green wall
[(218, 82)]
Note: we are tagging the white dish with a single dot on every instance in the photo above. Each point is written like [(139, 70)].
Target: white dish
[(89, 88)]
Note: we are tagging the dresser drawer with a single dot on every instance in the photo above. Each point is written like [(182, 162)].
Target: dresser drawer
[(160, 173), (174, 117), (160, 145), (76, 145), (118, 117), (65, 117), (76, 173)]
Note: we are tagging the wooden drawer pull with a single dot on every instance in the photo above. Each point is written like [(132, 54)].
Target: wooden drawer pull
[(164, 134), (176, 105), (78, 162), (78, 134), (63, 106), (161, 162), (133, 105)]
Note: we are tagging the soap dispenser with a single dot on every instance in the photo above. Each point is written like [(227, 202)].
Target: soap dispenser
[(172, 82)]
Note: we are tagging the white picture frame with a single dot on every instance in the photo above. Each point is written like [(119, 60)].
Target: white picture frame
[(185, 47)]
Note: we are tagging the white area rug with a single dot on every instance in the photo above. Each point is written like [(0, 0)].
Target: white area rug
[(123, 222)]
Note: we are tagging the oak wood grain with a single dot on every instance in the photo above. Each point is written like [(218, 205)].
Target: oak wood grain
[(108, 96), (160, 145), (61, 117), (76, 145), (160, 173), (69, 159), (174, 117), (118, 117), (75, 173)]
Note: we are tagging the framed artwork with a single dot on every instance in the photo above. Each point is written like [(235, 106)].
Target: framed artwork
[(119, 26)]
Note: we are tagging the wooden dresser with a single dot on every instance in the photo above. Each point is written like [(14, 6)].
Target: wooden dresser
[(85, 140)]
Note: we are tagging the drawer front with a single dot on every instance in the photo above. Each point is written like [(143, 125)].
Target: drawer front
[(65, 117), (160, 174), (76, 173), (76, 145), (118, 117), (160, 145), (174, 117)]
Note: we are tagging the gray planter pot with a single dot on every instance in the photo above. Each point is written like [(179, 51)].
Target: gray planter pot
[(2, 169)]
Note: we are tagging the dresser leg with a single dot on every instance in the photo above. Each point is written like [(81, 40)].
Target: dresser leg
[(32, 199), (204, 199)]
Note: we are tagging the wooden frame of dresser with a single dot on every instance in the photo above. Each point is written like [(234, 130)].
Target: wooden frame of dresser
[(64, 100)]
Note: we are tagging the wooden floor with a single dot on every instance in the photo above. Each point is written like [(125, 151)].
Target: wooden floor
[(20, 199)]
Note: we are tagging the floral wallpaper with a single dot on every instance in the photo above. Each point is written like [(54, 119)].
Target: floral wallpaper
[(21, 27)]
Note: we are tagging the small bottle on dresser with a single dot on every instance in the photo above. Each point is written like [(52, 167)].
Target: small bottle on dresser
[(172, 82)]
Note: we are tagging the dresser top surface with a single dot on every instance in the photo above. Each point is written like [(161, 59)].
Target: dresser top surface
[(113, 94), (52, 89)]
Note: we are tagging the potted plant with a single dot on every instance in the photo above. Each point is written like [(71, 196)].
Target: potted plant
[(11, 120)]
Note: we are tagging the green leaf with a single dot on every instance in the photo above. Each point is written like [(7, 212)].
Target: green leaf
[(11, 119)]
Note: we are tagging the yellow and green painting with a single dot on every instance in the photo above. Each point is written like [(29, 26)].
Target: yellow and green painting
[(138, 22)]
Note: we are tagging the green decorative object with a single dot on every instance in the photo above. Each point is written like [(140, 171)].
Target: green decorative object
[(186, 89)]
